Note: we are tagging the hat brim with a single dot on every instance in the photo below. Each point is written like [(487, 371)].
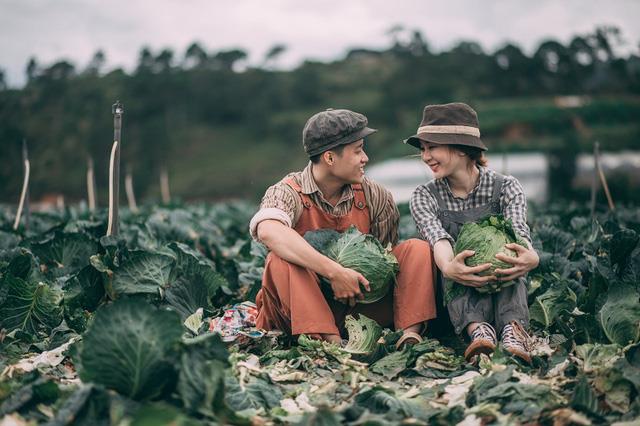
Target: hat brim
[(446, 139), (353, 137)]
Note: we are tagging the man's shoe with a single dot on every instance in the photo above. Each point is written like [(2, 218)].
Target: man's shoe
[(483, 341), (515, 340)]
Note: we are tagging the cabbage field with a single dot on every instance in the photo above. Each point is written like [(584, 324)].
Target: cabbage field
[(99, 330)]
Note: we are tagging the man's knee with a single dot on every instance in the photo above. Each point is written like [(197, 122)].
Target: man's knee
[(273, 262), (413, 246)]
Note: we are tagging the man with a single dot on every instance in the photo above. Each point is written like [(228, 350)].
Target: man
[(333, 192)]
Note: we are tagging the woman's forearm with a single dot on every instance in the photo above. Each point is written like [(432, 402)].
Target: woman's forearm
[(443, 253)]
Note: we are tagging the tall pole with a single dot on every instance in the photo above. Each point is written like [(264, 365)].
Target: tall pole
[(603, 179), (27, 207), (594, 181), (128, 187), (91, 185), (114, 170), (23, 204), (164, 186)]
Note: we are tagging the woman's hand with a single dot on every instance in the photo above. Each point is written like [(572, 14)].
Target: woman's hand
[(526, 261), (457, 271)]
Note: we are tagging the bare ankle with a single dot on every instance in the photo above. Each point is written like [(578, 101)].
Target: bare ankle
[(333, 338), (415, 328), (472, 326)]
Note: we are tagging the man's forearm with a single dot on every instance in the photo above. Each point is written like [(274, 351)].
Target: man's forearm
[(290, 246)]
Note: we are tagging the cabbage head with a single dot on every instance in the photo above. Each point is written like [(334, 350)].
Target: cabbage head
[(364, 334), (360, 252), (488, 238)]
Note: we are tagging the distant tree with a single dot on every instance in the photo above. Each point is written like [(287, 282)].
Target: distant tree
[(582, 51), (604, 39), (554, 68), (96, 63), (273, 54), (417, 45), (3, 83), (32, 69), (394, 32), (468, 48), (145, 60), (195, 56), (163, 60), (61, 70), (227, 59), (516, 70)]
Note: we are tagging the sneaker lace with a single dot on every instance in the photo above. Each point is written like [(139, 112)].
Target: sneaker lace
[(484, 331), (514, 335)]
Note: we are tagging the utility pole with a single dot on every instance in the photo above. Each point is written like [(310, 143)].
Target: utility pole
[(114, 170)]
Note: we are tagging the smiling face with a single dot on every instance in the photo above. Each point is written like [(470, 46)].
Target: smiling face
[(442, 159), (348, 165)]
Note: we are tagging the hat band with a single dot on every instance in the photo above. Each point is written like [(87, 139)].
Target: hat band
[(457, 130)]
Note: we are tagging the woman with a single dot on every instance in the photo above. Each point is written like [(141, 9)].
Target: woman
[(465, 190)]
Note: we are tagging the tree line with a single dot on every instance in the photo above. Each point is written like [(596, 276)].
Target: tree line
[(224, 128)]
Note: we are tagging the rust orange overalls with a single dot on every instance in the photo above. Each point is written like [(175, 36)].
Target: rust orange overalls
[(291, 299)]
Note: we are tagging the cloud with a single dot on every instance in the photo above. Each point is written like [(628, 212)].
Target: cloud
[(320, 29)]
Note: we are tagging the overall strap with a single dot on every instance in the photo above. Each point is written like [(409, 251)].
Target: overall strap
[(306, 201), (497, 190), (431, 185), (359, 200)]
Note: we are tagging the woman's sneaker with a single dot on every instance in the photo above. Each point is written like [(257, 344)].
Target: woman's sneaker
[(516, 341), (483, 341)]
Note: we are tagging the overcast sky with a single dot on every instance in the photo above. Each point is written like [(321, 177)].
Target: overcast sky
[(311, 29)]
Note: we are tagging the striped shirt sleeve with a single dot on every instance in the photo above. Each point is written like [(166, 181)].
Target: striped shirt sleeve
[(514, 206), (424, 208), (280, 202), (384, 213)]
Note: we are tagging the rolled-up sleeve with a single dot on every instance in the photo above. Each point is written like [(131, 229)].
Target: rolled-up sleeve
[(424, 210), (278, 203), (515, 206)]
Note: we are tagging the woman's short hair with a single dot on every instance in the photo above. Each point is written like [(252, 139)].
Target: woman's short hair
[(475, 154)]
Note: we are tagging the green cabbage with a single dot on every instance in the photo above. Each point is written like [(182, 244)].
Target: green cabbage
[(620, 315), (488, 238), (360, 252), (363, 335)]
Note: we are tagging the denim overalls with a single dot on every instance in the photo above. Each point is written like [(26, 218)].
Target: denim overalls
[(499, 309)]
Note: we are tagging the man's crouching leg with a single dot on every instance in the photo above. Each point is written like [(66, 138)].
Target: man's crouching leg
[(290, 300), (414, 297)]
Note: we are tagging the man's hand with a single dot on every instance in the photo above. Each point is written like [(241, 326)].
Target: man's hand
[(467, 275), (345, 284), (526, 261)]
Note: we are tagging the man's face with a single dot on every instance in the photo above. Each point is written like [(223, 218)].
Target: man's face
[(349, 166)]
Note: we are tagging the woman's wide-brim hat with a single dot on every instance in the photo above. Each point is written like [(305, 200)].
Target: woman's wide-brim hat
[(448, 124)]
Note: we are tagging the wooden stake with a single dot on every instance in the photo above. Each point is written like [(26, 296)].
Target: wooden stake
[(128, 186), (594, 180), (164, 186), (91, 185), (603, 179), (23, 194), (113, 227)]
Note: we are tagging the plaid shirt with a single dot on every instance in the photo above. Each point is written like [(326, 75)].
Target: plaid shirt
[(424, 206)]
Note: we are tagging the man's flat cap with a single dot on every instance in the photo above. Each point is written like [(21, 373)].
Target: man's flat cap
[(333, 127)]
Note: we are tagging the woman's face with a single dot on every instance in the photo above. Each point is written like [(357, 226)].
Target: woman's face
[(442, 159)]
